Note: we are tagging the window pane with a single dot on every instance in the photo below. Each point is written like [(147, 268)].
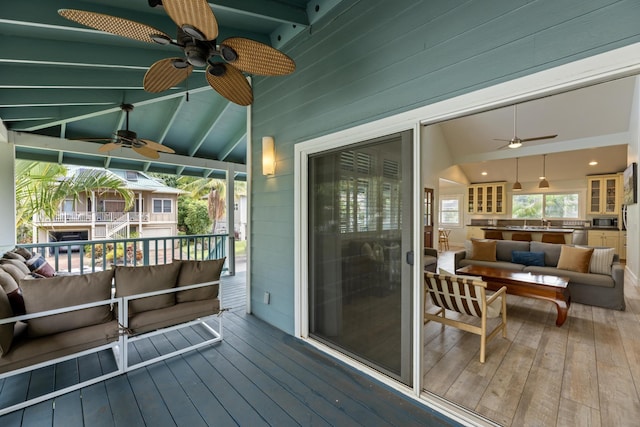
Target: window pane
[(157, 206), (526, 206), (561, 206)]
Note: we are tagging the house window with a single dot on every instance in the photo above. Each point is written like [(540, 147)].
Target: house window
[(161, 205), (132, 176), (558, 205), (450, 214), (67, 205)]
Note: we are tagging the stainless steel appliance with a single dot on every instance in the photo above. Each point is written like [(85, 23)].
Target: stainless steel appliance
[(605, 222)]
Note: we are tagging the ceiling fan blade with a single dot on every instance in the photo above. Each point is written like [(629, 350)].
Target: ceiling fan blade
[(108, 147), (146, 152), (229, 82), (114, 25), (196, 14), (257, 58), (163, 74), (539, 137), (156, 146)]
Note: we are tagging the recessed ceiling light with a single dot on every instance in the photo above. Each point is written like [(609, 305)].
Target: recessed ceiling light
[(484, 174), (593, 163)]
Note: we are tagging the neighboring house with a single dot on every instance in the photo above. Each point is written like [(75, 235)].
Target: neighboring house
[(239, 219), (102, 215)]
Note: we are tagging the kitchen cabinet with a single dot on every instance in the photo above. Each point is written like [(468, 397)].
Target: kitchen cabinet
[(623, 245), (603, 193), (487, 198), (607, 238)]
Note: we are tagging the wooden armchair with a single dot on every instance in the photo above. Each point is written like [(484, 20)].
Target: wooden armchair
[(467, 296)]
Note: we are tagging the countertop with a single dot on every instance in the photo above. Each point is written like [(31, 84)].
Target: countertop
[(530, 229)]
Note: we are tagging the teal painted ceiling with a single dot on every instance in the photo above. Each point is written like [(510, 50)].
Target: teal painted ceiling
[(62, 80)]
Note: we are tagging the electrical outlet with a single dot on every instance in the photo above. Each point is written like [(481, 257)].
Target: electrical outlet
[(267, 297)]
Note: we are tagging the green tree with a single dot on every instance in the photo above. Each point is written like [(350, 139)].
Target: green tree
[(213, 189), (193, 216), (41, 188)]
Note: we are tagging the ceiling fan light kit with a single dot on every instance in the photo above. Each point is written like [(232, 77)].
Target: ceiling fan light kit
[(197, 34), (516, 142)]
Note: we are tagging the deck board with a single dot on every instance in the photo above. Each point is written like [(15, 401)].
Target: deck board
[(257, 376)]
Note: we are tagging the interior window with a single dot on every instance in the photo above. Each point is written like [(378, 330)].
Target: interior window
[(558, 205)]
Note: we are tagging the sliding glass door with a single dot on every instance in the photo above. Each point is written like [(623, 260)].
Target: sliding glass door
[(360, 241)]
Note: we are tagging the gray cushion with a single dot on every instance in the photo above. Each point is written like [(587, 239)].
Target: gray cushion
[(591, 279), (14, 255), (494, 264), (551, 252), (14, 267), (142, 279), (57, 292), (174, 315), (194, 272), (505, 248)]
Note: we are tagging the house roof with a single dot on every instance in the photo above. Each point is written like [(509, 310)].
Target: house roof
[(133, 180)]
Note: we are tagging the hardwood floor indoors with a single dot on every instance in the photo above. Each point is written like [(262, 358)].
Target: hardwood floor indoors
[(583, 373)]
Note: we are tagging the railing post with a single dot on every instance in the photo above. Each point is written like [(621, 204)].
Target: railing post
[(145, 252)]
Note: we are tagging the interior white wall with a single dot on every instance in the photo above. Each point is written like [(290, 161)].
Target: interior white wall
[(8, 196)]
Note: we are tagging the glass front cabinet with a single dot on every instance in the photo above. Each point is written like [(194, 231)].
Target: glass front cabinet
[(486, 198), (603, 192)]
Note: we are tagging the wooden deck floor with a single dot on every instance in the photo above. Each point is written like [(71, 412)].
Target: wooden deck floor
[(257, 376), (585, 373)]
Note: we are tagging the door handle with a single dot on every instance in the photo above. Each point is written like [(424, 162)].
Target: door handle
[(409, 257)]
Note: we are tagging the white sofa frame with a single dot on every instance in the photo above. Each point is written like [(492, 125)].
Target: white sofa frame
[(119, 347)]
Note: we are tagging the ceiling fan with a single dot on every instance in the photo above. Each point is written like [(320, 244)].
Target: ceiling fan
[(516, 142), (129, 139), (197, 33)]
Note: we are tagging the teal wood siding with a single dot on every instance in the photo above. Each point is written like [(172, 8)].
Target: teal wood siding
[(373, 59)]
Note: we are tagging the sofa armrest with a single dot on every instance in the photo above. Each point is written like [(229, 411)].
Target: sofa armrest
[(430, 252), (457, 257), (617, 273), (26, 317)]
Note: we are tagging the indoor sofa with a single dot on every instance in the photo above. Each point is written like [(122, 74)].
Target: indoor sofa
[(599, 283), (45, 321)]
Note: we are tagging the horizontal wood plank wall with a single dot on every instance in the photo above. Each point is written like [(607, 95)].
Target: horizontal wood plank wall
[(372, 59)]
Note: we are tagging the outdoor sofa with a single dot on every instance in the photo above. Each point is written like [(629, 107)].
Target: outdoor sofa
[(45, 321)]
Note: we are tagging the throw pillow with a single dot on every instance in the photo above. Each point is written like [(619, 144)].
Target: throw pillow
[(13, 292), (528, 258), (149, 278), (575, 259), (37, 264), (13, 255), (193, 272), (21, 266), (22, 251), (15, 272), (601, 260), (6, 329), (57, 292), (484, 250)]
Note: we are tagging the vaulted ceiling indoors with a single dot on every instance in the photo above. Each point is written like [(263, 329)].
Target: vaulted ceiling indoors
[(66, 82)]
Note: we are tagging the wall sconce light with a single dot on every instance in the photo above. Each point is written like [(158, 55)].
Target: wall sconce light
[(268, 156), (544, 183)]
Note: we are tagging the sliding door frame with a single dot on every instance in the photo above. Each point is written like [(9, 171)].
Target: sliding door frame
[(611, 65)]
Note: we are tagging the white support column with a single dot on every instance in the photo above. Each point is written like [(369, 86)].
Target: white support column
[(7, 192), (231, 242), (93, 215), (140, 234)]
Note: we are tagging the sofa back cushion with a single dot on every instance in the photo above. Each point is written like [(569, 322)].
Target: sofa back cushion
[(528, 258), (193, 272), (13, 292), (149, 278), (505, 248), (16, 268), (64, 291), (551, 252), (6, 330)]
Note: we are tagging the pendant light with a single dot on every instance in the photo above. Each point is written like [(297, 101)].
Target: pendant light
[(544, 183), (516, 185)]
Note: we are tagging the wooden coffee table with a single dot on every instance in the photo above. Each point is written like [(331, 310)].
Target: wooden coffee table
[(540, 286)]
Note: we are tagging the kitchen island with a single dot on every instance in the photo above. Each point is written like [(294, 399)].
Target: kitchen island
[(535, 231)]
